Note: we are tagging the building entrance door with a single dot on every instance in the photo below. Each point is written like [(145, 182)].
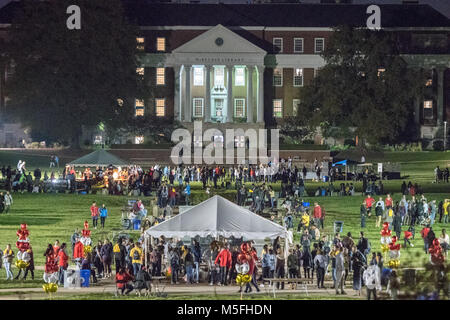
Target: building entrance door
[(219, 113)]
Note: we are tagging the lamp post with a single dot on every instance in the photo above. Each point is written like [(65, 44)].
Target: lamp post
[(445, 135)]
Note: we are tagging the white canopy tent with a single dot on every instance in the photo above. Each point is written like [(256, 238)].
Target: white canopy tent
[(218, 216)]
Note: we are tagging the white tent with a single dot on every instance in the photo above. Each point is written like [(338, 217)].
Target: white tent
[(218, 216)]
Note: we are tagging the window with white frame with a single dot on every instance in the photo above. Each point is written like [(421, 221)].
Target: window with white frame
[(278, 77), (139, 139), (239, 108), (140, 43), (219, 76), (298, 45), (239, 141), (278, 108), (198, 76), (160, 107), (298, 77), (239, 76), (278, 45), (428, 109), (140, 71), (319, 45), (295, 107), (160, 76), (139, 107), (198, 107), (160, 44)]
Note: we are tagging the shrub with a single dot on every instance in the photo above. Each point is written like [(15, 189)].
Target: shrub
[(438, 145), (308, 141), (349, 142)]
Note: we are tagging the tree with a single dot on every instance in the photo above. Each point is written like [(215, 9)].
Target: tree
[(65, 79), (365, 84)]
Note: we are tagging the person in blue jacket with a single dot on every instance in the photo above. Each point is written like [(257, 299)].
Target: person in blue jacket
[(187, 192), (103, 215)]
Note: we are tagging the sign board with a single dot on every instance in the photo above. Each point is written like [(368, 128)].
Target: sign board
[(380, 167)]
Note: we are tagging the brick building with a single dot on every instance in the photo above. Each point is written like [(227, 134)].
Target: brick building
[(229, 64)]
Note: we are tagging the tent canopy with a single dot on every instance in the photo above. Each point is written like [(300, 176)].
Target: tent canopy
[(218, 216), (99, 157)]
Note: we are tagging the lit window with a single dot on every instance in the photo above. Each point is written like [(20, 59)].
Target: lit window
[(140, 71), (160, 76), (428, 109), (278, 45), (218, 76), (120, 102), (239, 108), (380, 71), (429, 82), (139, 139), (295, 107), (198, 76), (239, 141), (319, 45), (160, 107), (278, 108), (198, 107), (160, 44), (298, 77), (278, 77), (239, 76), (140, 43), (139, 106)]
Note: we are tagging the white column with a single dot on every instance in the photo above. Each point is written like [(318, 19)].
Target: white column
[(249, 94), (230, 94), (440, 96), (260, 112), (188, 101), (207, 115), (177, 94)]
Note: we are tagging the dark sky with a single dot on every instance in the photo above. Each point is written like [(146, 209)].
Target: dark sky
[(442, 5)]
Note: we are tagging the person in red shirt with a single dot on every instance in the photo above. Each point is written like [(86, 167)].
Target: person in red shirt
[(424, 234), (317, 214), (122, 281), (369, 201), (63, 263), (407, 237), (94, 214), (78, 251), (388, 202), (56, 248), (223, 259), (252, 270)]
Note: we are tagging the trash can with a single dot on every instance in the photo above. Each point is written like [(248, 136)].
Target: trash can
[(338, 226), (85, 276), (136, 224), (325, 178), (72, 278)]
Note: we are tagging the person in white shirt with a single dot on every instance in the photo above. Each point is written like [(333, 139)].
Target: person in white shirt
[(444, 241)]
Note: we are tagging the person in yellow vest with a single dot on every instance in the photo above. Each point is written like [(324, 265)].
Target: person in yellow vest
[(137, 257), (446, 208), (8, 256)]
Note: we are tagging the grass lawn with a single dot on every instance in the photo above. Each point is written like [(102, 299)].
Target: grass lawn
[(55, 216)]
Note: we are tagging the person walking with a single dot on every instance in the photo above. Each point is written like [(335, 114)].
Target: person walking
[(94, 214), (279, 268), (292, 265), (379, 209), (358, 262), (136, 257), (103, 212), (8, 201), (187, 193), (119, 254), (372, 280), (197, 252), (363, 214), (63, 262), (320, 264), (8, 256), (223, 259), (174, 259), (107, 253)]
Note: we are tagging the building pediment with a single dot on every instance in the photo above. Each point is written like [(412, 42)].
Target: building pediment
[(219, 40)]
